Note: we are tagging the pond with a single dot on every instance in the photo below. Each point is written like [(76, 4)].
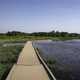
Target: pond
[(62, 57)]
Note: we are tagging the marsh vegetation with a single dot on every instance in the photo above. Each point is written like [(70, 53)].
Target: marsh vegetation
[(9, 52)]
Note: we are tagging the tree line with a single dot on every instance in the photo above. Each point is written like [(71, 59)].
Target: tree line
[(46, 34)]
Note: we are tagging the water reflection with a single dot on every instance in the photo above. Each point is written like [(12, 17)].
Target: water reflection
[(64, 54)]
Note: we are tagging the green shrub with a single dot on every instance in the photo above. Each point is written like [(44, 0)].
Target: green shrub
[(8, 56)]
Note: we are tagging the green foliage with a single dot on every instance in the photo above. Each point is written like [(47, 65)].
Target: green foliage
[(51, 62), (8, 56), (16, 35)]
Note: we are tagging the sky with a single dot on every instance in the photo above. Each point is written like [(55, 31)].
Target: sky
[(40, 15)]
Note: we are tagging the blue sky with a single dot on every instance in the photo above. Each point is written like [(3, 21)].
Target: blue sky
[(40, 15)]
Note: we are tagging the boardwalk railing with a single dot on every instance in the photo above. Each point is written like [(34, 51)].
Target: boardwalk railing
[(44, 64)]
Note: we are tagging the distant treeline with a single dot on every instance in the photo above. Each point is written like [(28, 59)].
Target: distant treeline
[(46, 34), (56, 34)]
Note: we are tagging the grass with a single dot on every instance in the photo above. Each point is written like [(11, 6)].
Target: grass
[(8, 57), (51, 62), (21, 38), (2, 69)]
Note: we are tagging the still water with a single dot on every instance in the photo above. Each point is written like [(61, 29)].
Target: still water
[(66, 57)]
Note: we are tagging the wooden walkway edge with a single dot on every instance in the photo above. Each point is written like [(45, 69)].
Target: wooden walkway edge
[(28, 66)]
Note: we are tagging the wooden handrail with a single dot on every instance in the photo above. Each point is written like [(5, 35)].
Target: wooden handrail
[(44, 64)]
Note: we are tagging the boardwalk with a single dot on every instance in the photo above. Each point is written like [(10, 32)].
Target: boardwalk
[(28, 66)]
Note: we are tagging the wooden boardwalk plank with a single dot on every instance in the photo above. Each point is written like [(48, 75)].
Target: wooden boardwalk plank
[(28, 56), (28, 66)]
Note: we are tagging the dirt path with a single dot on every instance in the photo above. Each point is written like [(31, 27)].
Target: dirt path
[(28, 66)]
